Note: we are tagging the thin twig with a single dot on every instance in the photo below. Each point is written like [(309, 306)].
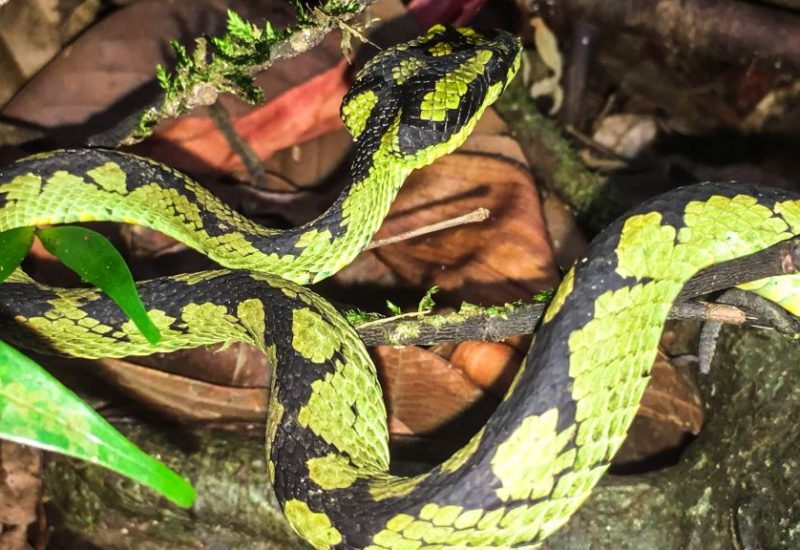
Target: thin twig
[(477, 215), (499, 323), (250, 159)]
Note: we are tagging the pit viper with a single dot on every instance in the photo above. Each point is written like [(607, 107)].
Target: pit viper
[(536, 460)]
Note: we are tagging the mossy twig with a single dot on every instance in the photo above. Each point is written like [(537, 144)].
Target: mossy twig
[(231, 62)]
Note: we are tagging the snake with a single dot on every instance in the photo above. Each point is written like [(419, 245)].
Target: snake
[(551, 439)]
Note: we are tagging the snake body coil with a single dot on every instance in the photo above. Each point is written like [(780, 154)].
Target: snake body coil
[(526, 472)]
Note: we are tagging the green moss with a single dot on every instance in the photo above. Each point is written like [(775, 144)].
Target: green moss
[(404, 332)]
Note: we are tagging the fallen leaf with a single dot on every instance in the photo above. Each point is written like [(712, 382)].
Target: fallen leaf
[(236, 365), (506, 258), (567, 238), (490, 365), (95, 82), (33, 32), (301, 113), (186, 399), (626, 134), (455, 12), (671, 408), (20, 490), (672, 397), (425, 393)]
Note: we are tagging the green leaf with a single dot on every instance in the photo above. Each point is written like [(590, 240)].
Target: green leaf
[(338, 7), (239, 28), (14, 245), (269, 31), (427, 303), (300, 11), (357, 317), (180, 53), (225, 46), (35, 409), (91, 256), (395, 309), (163, 78), (544, 295)]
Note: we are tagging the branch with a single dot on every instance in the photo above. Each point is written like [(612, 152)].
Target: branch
[(552, 158), (473, 322), (237, 57)]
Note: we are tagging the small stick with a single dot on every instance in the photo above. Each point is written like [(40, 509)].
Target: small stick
[(477, 215), (250, 159)]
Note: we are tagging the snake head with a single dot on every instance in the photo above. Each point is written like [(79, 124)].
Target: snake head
[(420, 100)]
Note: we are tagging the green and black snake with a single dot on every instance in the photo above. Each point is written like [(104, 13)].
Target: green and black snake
[(551, 439)]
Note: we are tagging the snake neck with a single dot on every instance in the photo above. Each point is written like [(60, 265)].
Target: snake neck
[(99, 185), (323, 246)]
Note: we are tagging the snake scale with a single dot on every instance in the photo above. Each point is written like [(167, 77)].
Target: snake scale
[(551, 439)]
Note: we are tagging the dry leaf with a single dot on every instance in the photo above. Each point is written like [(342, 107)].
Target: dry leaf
[(568, 241), (547, 48), (506, 258), (238, 365), (490, 365), (626, 134), (672, 398), (183, 398), (20, 490), (424, 391), (96, 81), (455, 12), (301, 113), (671, 407), (32, 32)]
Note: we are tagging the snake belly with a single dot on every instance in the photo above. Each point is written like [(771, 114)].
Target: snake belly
[(549, 442)]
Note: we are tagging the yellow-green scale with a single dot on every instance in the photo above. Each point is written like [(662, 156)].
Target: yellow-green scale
[(610, 358)]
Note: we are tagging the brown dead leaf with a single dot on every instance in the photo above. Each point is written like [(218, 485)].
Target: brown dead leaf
[(568, 241), (506, 258), (670, 409), (672, 397), (456, 12), (303, 112), (183, 398), (109, 72), (626, 134), (490, 365), (33, 32), (20, 490), (424, 392), (238, 365)]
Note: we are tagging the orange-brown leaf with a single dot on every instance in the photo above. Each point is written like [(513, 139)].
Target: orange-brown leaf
[(423, 391), (505, 258)]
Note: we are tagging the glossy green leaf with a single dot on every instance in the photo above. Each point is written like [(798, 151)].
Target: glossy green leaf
[(14, 245), (35, 409), (96, 260)]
